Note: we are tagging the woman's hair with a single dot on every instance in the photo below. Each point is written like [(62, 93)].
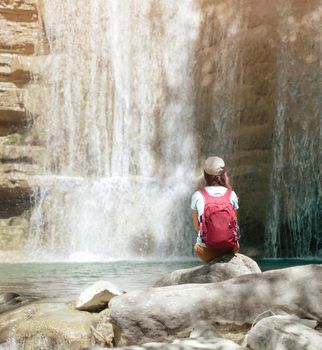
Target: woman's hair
[(217, 180)]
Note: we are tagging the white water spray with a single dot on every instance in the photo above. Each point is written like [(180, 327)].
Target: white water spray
[(118, 128)]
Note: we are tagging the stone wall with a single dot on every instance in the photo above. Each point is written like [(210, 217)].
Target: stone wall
[(246, 105), (253, 160), (21, 44), (274, 148), (294, 226)]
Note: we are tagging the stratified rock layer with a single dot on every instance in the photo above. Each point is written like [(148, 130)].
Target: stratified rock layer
[(21, 41), (240, 79)]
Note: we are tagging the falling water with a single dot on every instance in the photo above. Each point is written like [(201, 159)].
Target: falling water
[(118, 129), (119, 125), (135, 94), (294, 223)]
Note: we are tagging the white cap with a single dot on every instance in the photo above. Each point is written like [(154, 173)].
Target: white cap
[(214, 166)]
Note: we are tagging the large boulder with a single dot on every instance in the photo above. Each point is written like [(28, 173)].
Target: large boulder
[(163, 314), (218, 270), (284, 333), (97, 296), (50, 326)]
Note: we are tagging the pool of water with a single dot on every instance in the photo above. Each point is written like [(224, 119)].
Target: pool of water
[(273, 264), (64, 281)]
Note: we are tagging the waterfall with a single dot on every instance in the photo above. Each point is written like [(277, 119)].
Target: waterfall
[(117, 124), (128, 89), (136, 94), (294, 222)]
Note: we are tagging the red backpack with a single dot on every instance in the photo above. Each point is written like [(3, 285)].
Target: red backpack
[(219, 227)]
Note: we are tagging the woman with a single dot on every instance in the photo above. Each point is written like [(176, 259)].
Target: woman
[(214, 213)]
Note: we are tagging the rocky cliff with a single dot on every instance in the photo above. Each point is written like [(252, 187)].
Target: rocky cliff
[(21, 43), (276, 134), (249, 89)]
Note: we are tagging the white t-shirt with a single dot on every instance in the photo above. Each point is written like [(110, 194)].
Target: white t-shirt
[(198, 202)]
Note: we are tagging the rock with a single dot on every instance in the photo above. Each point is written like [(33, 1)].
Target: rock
[(204, 330), (284, 333), (103, 331), (97, 296), (22, 38), (204, 336), (21, 31), (214, 344), (55, 326), (19, 11), (15, 118), (16, 196), (10, 301), (206, 343), (235, 80), (218, 270), (163, 314)]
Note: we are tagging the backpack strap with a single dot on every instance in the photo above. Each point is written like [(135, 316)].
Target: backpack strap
[(227, 194), (206, 196)]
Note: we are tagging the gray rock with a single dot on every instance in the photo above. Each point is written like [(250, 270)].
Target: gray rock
[(205, 330), (211, 343), (188, 344), (97, 296), (10, 301), (218, 270), (163, 314), (284, 333), (208, 343), (50, 326), (203, 336)]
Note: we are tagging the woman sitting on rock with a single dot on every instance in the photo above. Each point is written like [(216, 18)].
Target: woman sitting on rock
[(214, 213)]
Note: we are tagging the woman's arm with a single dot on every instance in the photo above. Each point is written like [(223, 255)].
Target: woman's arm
[(195, 220)]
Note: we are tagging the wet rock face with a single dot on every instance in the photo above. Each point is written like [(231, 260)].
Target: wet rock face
[(14, 117), (296, 170), (19, 11), (251, 166), (21, 41), (245, 82), (260, 110), (21, 24)]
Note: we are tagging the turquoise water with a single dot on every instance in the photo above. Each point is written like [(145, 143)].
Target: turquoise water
[(64, 281), (272, 264)]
